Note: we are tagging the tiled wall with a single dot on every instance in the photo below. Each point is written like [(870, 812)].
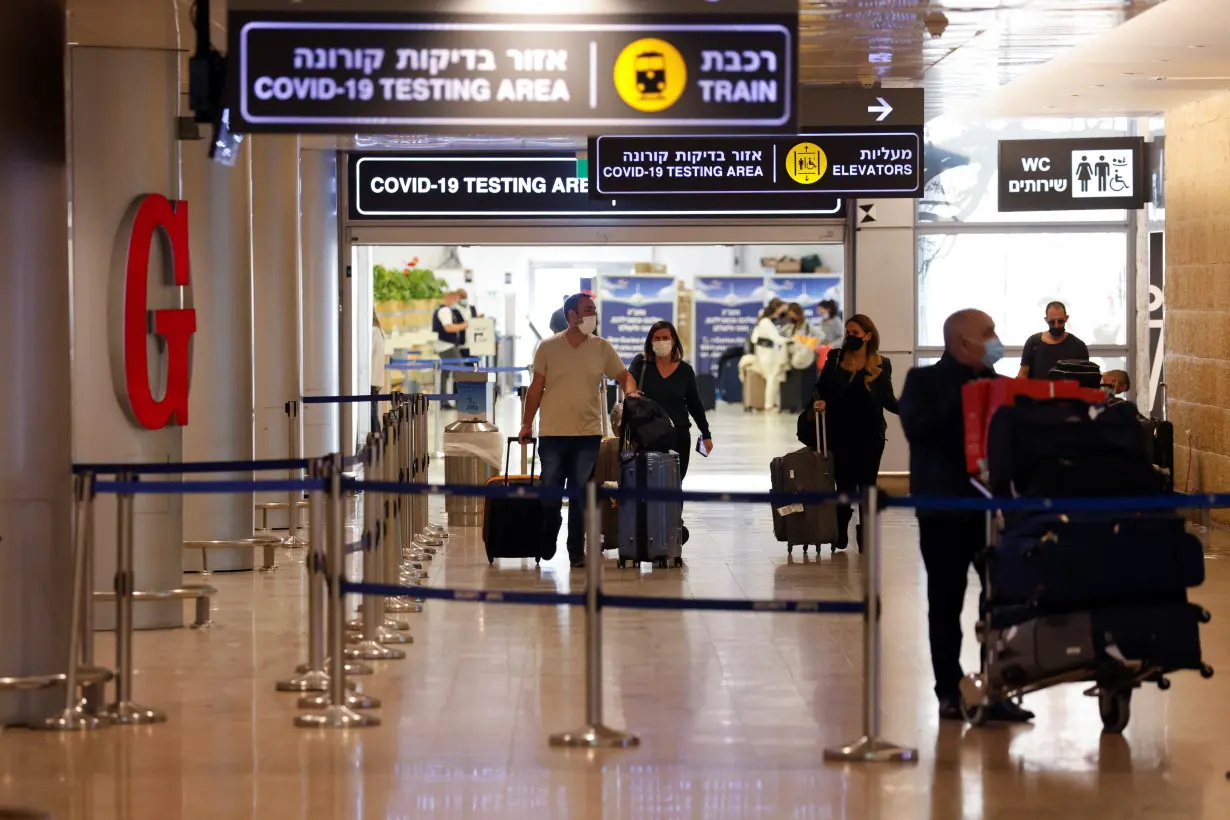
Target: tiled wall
[(1197, 335)]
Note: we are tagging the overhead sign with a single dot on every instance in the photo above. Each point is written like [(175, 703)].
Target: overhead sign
[(454, 186), (318, 73), (1072, 174), (825, 106), (881, 164), (137, 322)]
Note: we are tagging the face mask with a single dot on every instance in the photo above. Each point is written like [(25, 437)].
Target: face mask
[(992, 352), (1057, 331), (853, 344), (663, 350), (588, 325), (464, 302)]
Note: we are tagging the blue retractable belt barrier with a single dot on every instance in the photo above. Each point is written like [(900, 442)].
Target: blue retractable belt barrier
[(369, 397), (476, 595), (1173, 501), (192, 487), (448, 368), (411, 365), (186, 467), (441, 396)]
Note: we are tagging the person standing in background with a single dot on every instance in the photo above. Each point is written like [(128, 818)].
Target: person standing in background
[(468, 312), (449, 325), (377, 376), (1044, 350), (831, 328)]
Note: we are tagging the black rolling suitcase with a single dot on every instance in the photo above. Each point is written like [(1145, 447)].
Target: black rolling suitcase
[(1159, 442), (706, 385), (728, 376), (1051, 560), (514, 527)]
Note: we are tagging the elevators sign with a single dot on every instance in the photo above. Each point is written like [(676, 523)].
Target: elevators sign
[(1072, 175), (358, 73)]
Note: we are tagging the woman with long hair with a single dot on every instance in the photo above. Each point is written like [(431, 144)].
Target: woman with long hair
[(662, 375), (854, 389), (769, 346)]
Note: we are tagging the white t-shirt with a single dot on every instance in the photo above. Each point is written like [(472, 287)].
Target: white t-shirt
[(570, 404), (377, 377)]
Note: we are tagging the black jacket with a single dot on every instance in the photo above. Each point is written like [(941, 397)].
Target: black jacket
[(934, 425), (833, 382)]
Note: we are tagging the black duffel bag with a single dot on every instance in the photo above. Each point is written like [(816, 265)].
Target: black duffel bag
[(1066, 448), (1087, 373), (647, 426)]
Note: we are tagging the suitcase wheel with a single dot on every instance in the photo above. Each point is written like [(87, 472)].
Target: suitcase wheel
[(1163, 683), (621, 563), (538, 562), (790, 549), (804, 549), (1115, 706), (1206, 671), (1205, 616), (661, 563), (490, 560), (679, 563)]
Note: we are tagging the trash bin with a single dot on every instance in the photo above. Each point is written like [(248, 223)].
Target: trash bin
[(471, 456)]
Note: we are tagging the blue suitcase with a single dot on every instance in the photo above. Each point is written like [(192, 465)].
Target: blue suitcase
[(650, 531), (728, 379), (1054, 561)]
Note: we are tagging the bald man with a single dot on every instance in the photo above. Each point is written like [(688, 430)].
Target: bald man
[(934, 425)]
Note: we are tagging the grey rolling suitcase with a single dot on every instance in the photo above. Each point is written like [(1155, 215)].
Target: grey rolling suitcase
[(805, 471), (650, 531)]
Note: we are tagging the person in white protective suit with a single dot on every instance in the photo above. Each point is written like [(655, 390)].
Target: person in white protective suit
[(770, 349)]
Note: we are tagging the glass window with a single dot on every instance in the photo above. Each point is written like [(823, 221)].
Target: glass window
[(1012, 276), (961, 177)]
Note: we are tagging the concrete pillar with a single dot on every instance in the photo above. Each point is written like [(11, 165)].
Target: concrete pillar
[(318, 204), (276, 295), (220, 406), (116, 160), (35, 355)]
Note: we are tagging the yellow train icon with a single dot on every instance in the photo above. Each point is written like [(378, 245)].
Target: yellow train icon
[(650, 75)]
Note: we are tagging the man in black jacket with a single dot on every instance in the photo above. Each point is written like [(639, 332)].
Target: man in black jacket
[(934, 425)]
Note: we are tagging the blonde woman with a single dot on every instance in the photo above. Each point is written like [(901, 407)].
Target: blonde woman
[(854, 389)]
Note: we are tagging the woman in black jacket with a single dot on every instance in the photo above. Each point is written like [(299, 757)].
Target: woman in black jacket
[(854, 389), (663, 375)]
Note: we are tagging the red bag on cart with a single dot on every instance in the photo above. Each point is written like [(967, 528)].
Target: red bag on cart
[(980, 399)]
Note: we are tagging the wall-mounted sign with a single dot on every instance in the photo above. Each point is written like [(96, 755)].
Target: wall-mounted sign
[(1072, 175), (873, 163), (629, 305), (318, 73), (389, 187), (137, 322), (727, 309)]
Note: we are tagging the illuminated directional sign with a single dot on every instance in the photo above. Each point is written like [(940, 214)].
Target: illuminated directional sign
[(872, 163), (329, 73)]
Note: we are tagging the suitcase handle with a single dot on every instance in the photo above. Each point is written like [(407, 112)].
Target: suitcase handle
[(508, 457), (822, 434)]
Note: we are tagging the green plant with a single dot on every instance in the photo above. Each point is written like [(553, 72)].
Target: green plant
[(403, 285)]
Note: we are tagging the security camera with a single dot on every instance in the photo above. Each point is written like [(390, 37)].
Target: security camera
[(936, 23)]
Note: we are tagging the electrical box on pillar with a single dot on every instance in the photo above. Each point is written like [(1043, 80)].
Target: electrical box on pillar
[(206, 86)]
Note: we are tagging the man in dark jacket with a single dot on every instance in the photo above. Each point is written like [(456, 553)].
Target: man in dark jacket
[(934, 425)]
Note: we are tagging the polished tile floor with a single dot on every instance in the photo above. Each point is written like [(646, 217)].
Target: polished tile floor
[(733, 710)]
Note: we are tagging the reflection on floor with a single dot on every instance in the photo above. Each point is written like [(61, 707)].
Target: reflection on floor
[(733, 709)]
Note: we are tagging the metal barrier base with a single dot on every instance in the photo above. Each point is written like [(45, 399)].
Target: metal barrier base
[(373, 651), (871, 750), (352, 668), (336, 717), (74, 719), (595, 737), (128, 713), (354, 700)]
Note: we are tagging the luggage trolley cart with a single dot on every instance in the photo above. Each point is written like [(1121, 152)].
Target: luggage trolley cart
[(999, 679)]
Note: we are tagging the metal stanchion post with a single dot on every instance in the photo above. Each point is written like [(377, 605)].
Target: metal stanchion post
[(74, 717), (427, 538), (370, 643), (292, 497), (594, 734), (393, 551), (312, 676), (871, 748), (124, 711), (439, 450), (337, 714), (94, 694)]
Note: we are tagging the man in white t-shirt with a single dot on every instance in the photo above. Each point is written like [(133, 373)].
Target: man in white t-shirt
[(567, 370)]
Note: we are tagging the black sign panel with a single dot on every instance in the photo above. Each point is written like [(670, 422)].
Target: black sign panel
[(891, 108), (390, 187), (331, 73), (881, 163), (1072, 175)]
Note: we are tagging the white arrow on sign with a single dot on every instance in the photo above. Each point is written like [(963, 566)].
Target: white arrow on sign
[(883, 109)]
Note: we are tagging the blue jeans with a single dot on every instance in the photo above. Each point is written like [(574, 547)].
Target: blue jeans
[(567, 461)]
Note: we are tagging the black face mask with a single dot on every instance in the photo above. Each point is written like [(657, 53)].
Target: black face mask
[(1057, 331), (852, 344)]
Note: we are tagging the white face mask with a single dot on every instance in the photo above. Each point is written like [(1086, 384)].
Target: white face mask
[(663, 350), (588, 325)]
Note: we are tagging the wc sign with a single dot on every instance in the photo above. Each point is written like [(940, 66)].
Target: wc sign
[(151, 347), (1072, 175)]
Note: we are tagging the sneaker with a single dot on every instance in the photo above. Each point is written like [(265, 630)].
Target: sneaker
[(1008, 712), (950, 709), (577, 561)]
